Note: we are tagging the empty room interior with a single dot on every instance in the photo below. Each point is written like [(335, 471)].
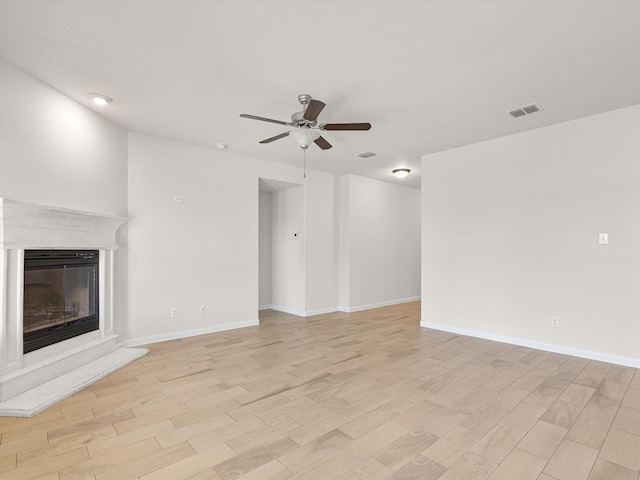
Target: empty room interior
[(333, 240)]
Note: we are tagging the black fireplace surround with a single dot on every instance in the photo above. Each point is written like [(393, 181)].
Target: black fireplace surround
[(60, 296)]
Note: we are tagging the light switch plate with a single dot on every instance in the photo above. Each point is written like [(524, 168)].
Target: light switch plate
[(603, 238)]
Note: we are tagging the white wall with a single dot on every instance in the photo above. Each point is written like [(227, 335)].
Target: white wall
[(204, 251), (288, 252), (381, 236), (344, 270), (265, 231), (510, 237), (321, 243), (54, 151)]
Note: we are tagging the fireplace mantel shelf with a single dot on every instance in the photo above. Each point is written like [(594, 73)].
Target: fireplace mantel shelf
[(29, 225)]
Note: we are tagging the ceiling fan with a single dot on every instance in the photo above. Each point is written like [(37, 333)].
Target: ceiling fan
[(306, 125)]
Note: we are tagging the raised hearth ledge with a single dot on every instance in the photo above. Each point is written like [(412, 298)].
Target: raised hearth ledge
[(47, 375), (33, 401)]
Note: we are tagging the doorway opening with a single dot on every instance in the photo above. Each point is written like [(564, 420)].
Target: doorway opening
[(281, 255)]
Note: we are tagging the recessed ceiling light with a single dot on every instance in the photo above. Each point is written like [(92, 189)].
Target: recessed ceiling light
[(221, 146), (401, 172), (100, 99)]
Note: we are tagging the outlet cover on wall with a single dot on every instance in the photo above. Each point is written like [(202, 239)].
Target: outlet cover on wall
[(173, 312), (555, 322)]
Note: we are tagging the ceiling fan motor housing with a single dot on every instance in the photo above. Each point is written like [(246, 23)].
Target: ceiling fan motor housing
[(299, 121)]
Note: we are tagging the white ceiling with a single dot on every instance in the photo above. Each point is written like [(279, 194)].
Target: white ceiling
[(428, 75)]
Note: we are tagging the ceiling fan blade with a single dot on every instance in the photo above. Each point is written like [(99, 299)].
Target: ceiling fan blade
[(277, 137), (313, 110), (322, 143), (344, 126), (270, 120)]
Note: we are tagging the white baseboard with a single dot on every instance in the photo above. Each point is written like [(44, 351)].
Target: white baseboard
[(548, 347), (378, 305), (321, 311), (298, 313), (134, 342)]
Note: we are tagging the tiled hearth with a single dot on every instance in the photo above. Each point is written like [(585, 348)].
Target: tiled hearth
[(31, 382)]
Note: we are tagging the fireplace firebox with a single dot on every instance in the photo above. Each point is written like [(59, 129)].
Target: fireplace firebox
[(60, 296)]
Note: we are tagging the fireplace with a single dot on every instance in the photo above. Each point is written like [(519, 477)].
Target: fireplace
[(60, 296), (58, 283)]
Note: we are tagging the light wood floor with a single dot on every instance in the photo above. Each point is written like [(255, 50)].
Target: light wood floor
[(368, 395)]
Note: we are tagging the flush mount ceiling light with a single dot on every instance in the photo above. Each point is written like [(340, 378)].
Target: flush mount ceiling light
[(401, 172), (100, 99)]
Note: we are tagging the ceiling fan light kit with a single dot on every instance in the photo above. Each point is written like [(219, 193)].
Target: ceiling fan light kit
[(306, 124), (304, 137)]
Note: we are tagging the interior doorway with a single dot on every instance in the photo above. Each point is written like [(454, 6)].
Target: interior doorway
[(281, 270)]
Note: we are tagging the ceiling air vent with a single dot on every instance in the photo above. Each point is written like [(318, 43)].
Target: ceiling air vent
[(526, 110), (366, 154), (517, 113)]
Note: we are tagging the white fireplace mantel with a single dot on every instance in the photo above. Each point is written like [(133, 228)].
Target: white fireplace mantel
[(25, 226), (28, 225)]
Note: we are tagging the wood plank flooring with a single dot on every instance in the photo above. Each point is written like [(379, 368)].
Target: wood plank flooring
[(367, 395)]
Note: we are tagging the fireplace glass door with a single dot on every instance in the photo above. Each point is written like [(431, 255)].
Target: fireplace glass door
[(60, 296)]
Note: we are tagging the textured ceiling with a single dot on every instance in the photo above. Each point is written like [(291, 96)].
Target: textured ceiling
[(427, 75)]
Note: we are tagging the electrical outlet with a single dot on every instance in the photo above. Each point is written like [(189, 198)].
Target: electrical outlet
[(178, 198), (173, 312), (555, 322), (203, 309)]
